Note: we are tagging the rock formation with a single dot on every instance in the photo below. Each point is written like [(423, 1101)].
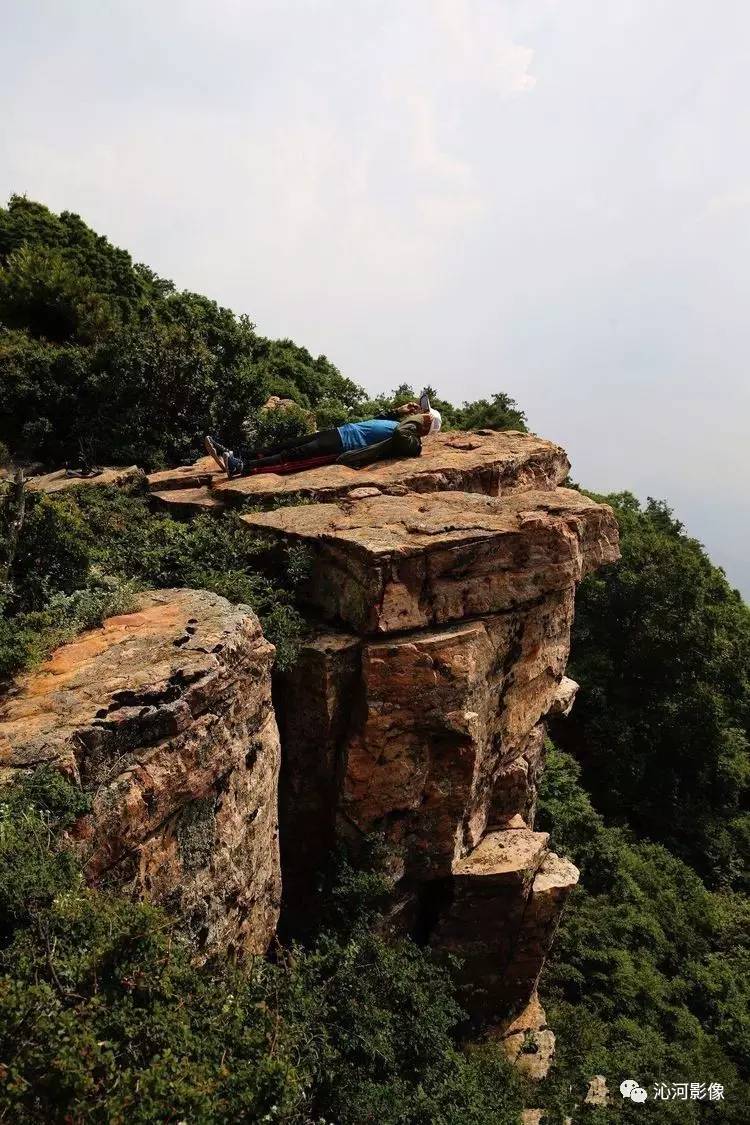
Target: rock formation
[(416, 711), (389, 563), (483, 462), (61, 480), (440, 602), (164, 716), (527, 1041)]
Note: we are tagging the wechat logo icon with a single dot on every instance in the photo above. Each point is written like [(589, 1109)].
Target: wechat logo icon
[(630, 1089)]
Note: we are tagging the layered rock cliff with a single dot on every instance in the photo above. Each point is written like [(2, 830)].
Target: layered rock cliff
[(164, 717), (440, 604), (416, 712)]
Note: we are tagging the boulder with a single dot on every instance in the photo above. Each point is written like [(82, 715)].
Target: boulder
[(502, 911), (164, 716), (554, 881), (565, 697), (391, 563), (284, 405), (187, 501), (597, 1093)]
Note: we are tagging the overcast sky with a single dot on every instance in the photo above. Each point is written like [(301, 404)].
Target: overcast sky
[(549, 198)]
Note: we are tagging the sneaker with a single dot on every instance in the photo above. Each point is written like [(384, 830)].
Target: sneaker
[(216, 450), (233, 464)]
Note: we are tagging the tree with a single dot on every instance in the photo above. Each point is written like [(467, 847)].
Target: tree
[(661, 647), (501, 412), (101, 360), (105, 1017), (648, 977)]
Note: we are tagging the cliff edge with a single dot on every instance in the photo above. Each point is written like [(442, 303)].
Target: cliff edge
[(440, 603)]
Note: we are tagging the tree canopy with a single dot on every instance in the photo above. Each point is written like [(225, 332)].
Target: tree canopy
[(661, 647), (650, 972), (104, 1016), (102, 360)]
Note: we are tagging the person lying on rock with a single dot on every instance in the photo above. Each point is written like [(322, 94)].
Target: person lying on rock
[(395, 434)]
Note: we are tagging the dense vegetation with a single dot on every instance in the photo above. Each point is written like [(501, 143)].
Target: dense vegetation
[(102, 1015), (650, 973), (661, 647), (84, 553), (102, 360)]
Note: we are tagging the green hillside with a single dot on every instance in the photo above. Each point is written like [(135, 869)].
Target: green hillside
[(102, 1015)]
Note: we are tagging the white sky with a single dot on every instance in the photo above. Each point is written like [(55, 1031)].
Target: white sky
[(550, 198)]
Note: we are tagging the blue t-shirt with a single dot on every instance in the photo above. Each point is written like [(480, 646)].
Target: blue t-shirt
[(357, 435)]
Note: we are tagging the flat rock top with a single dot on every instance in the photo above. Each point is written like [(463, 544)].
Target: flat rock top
[(411, 524), (202, 472), (59, 480), (483, 461), (136, 662), (191, 499), (506, 856)]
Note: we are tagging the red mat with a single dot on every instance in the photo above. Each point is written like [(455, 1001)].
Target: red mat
[(285, 467)]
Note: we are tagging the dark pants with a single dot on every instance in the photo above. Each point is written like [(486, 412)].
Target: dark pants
[(323, 443)]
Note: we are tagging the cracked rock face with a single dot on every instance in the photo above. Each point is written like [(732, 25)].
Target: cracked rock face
[(423, 722), (426, 738), (421, 764), (164, 716), (389, 563)]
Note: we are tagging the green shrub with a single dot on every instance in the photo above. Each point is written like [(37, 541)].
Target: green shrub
[(83, 554), (102, 359), (501, 412), (104, 1017), (215, 553), (649, 973), (271, 426), (661, 647), (27, 639), (54, 553)]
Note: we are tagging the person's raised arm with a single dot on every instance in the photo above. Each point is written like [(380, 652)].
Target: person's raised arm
[(402, 411)]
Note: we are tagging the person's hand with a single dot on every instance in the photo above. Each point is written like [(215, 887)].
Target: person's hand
[(408, 408)]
